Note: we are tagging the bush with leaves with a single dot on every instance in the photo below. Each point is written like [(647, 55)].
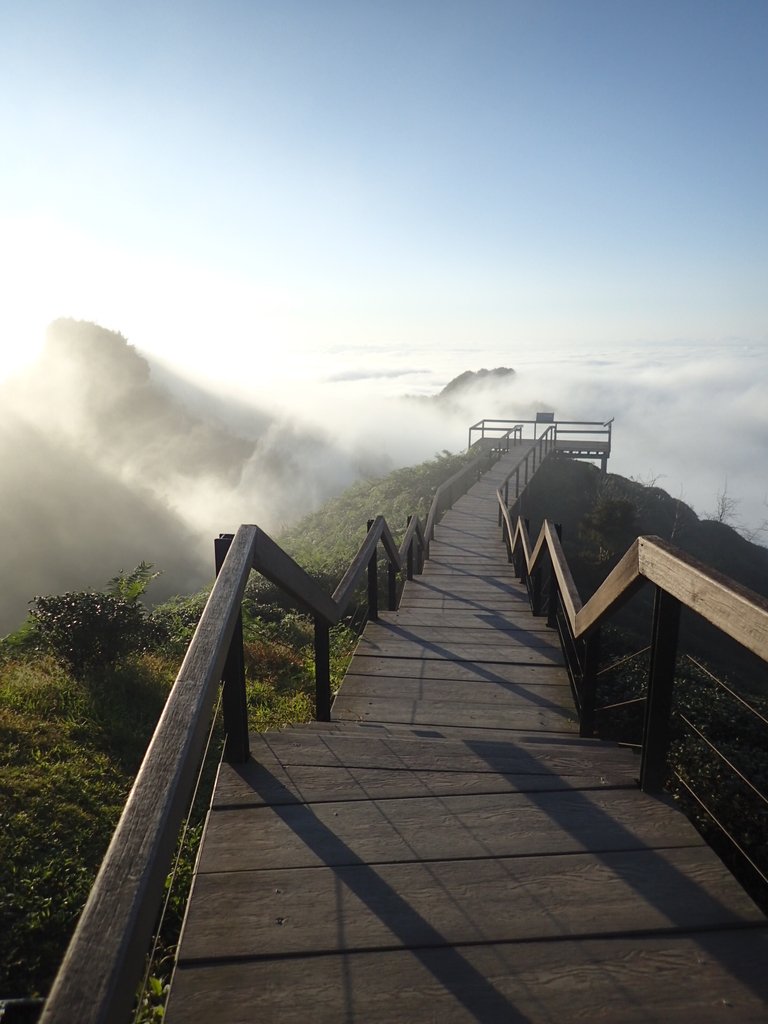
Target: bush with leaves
[(89, 630)]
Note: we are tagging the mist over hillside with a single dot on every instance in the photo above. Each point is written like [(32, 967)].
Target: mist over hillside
[(106, 459)]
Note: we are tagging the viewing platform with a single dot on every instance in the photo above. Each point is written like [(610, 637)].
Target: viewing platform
[(575, 439)]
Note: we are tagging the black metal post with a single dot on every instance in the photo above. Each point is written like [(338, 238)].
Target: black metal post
[(552, 599), (553, 588), (523, 573), (658, 706), (589, 683), (392, 586), (373, 582), (322, 670), (536, 592), (409, 554), (233, 699)]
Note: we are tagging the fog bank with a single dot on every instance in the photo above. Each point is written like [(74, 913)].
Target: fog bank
[(108, 457)]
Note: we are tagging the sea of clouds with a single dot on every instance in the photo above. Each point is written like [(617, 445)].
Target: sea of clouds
[(108, 457)]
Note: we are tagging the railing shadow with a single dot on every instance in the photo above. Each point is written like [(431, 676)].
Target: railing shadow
[(415, 933)]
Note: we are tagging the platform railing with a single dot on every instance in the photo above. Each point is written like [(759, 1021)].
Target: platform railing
[(589, 435), (98, 978)]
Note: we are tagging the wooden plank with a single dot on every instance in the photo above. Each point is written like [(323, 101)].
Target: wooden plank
[(481, 716), (303, 910), (522, 654), (547, 694), (269, 782), (471, 739), (519, 618), (441, 828), (468, 631), (465, 634), (558, 756), (495, 603), (707, 978), (463, 584), (476, 567), (417, 668), (505, 594)]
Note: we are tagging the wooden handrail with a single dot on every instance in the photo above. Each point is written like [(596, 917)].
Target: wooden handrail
[(737, 611), (379, 532), (679, 580), (102, 966)]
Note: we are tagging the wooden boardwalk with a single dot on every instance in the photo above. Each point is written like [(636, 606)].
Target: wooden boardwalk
[(449, 849)]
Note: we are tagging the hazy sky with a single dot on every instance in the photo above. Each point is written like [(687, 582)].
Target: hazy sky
[(323, 203), (330, 188)]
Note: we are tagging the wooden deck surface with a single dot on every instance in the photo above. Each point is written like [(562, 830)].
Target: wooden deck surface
[(449, 850)]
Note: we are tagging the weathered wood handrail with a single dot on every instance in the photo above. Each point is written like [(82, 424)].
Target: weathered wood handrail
[(98, 978), (680, 581)]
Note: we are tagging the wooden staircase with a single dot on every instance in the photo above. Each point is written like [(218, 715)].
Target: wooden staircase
[(449, 849)]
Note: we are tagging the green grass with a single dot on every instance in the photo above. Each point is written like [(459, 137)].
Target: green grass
[(69, 749)]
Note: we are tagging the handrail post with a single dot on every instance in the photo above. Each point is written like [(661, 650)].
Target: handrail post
[(520, 566), (661, 676), (523, 564), (409, 553), (554, 597), (588, 683), (553, 586), (373, 582), (536, 592), (322, 670), (392, 585), (234, 703)]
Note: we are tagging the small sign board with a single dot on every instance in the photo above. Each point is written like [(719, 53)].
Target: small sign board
[(545, 417)]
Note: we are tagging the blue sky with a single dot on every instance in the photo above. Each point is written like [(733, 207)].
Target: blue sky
[(245, 181), (321, 204)]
